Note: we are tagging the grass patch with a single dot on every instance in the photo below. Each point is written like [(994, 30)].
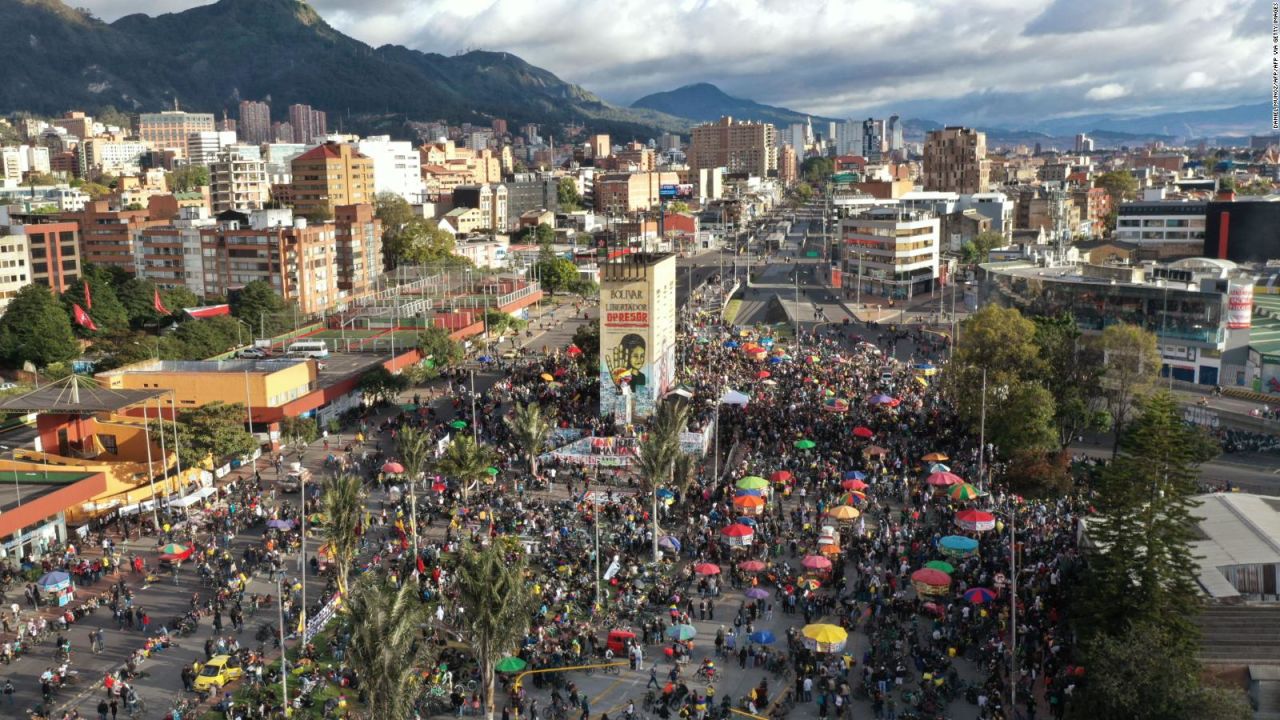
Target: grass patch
[(731, 311)]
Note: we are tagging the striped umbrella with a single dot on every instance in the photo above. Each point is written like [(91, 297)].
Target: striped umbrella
[(979, 595), (963, 491)]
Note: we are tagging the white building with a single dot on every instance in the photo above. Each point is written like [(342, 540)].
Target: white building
[(115, 157), (203, 147), (996, 206), (891, 251), (796, 136), (397, 166), (238, 184), (14, 270), (1161, 223)]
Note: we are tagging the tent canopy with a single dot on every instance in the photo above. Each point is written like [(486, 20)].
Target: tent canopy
[(733, 397)]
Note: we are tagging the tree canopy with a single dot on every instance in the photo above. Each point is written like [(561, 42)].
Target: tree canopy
[(557, 274), (35, 328), (443, 351), (567, 196), (259, 305), (215, 431)]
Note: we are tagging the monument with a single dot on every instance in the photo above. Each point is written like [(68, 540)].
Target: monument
[(637, 333)]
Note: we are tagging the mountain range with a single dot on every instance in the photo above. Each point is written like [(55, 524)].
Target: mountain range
[(208, 58), (704, 102)]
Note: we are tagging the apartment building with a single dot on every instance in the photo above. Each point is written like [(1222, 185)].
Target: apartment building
[(37, 248), (397, 166), (296, 258), (204, 147), (739, 147), (890, 251), (237, 183), (171, 128), (115, 157), (599, 146), (76, 123), (955, 160), (107, 237), (255, 122), (307, 124), (489, 199), (1170, 223), (358, 240), (629, 192), (330, 175), (172, 256)]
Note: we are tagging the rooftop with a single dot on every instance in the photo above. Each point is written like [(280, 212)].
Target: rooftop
[(1239, 529), (205, 366), (68, 396)]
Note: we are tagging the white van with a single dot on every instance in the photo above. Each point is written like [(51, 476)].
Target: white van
[(309, 348)]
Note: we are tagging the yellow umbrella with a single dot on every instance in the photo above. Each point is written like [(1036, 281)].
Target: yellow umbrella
[(825, 638), (844, 512), (546, 376)]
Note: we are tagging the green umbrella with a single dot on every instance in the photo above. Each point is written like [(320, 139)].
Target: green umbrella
[(458, 424), (752, 482), (805, 444), (493, 470), (681, 632), (940, 565), (510, 664)]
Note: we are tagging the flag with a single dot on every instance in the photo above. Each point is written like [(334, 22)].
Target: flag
[(158, 304), (82, 317), (88, 299), (574, 350), (422, 567)]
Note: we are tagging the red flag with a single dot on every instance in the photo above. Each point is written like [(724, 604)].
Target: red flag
[(82, 317), (574, 350), (88, 299), (159, 306), (422, 568)]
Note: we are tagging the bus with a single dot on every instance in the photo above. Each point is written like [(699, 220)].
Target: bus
[(308, 348)]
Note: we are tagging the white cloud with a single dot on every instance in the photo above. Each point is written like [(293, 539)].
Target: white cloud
[(1001, 59), (1110, 91)]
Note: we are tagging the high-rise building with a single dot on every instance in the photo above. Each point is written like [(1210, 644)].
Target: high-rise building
[(308, 125), (255, 122), (397, 166), (358, 237), (499, 127), (796, 137), (600, 146), (873, 136), (955, 160), (893, 132), (1084, 143), (669, 141), (330, 175), (108, 236), (238, 183), (890, 251), (788, 167), (75, 123), (36, 248), (204, 147), (739, 147), (171, 128)]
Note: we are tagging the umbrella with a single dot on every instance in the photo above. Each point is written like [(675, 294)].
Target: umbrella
[(835, 405), (975, 520), (173, 549), (942, 479), (810, 583), (770, 383), (938, 467), (665, 494), (776, 359), (863, 432), (979, 595), (548, 377), (280, 524), (485, 358), (928, 581), (825, 638), (854, 484), (829, 549), (957, 545), (56, 577), (748, 521), (731, 344), (763, 637), (963, 491), (752, 482), (843, 512), (744, 492), (752, 566), (707, 569), (737, 530), (669, 542), (493, 471), (805, 444), (815, 562), (681, 632), (763, 375), (510, 664), (935, 457), (780, 476), (393, 468), (756, 593), (855, 475), (749, 502), (879, 399), (940, 566), (458, 424), (933, 609)]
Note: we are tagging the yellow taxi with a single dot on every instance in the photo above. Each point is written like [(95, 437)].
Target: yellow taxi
[(219, 671)]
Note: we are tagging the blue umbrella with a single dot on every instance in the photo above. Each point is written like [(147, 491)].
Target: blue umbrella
[(957, 545), (855, 475), (775, 360), (767, 342), (749, 522), (56, 577), (731, 344), (764, 637), (669, 542), (665, 494), (926, 366), (485, 358), (743, 491)]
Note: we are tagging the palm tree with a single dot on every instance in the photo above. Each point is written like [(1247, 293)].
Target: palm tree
[(467, 461), (415, 449), (497, 605), (530, 427), (682, 473), (343, 500), (656, 455), (386, 650)]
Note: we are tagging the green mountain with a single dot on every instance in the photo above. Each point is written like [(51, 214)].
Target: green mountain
[(210, 57), (705, 102)]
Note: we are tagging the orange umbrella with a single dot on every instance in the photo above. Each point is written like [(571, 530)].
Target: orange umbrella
[(780, 476), (831, 549), (748, 501)]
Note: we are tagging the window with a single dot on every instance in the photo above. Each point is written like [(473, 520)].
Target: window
[(109, 443)]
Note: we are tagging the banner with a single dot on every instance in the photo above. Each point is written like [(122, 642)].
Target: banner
[(637, 336), (158, 304), (82, 318), (1240, 307), (317, 622)]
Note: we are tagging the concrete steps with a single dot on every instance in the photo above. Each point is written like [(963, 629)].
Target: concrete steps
[(1240, 634)]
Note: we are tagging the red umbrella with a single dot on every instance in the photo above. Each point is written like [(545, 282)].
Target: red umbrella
[(854, 484), (863, 432), (931, 577), (780, 476), (393, 468), (975, 520), (737, 530), (751, 566), (942, 479), (762, 374), (815, 562), (707, 569)]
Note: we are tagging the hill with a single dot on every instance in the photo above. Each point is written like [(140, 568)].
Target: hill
[(704, 102), (210, 57)]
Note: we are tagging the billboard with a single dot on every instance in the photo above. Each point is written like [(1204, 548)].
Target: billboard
[(1240, 307), (637, 336), (837, 278), (668, 191)]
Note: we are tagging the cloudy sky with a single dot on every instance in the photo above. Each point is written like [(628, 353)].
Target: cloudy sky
[(974, 61)]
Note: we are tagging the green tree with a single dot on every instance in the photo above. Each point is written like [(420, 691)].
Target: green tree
[(137, 295), (40, 179), (125, 348), (679, 207), (530, 428), (656, 455), (500, 322), (200, 339), (585, 289), (436, 345), (259, 305), (343, 499), (467, 462), (386, 650), (497, 605), (188, 178), (395, 213), (556, 274), (1145, 672), (298, 431), (108, 314), (422, 243), (95, 191), (587, 339), (1002, 342), (381, 385), (36, 329), (1072, 374), (1020, 418), (1131, 364), (177, 298), (416, 447), (541, 234), (817, 170), (567, 195), (682, 473), (1144, 568), (977, 250), (213, 431)]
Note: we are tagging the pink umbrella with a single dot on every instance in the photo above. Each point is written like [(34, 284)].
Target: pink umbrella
[(863, 432), (393, 468), (751, 566), (707, 569), (942, 479), (975, 520), (815, 562), (853, 484)]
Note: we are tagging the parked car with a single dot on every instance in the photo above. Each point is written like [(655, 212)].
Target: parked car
[(254, 353), (219, 671), (292, 482)]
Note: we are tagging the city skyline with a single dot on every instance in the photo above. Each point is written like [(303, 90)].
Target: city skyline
[(978, 63)]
